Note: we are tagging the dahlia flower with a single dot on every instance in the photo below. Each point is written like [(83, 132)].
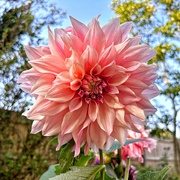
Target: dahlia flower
[(136, 150), (90, 84)]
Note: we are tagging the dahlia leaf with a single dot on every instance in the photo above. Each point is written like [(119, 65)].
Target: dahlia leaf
[(117, 145), (83, 160), (158, 175), (110, 172), (49, 173), (66, 157), (80, 173)]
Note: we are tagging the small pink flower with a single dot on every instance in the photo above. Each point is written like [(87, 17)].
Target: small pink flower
[(137, 149), (90, 83)]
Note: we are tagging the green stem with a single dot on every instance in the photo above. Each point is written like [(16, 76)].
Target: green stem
[(126, 176), (120, 169), (102, 163)]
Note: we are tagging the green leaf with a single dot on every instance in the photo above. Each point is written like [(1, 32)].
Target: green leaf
[(83, 160), (110, 172), (49, 173), (80, 173), (158, 175), (117, 145), (54, 140), (66, 157)]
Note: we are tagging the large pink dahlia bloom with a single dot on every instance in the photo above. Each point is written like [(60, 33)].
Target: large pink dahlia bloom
[(90, 83)]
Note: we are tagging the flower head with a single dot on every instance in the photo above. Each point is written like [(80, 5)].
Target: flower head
[(136, 150), (90, 83)]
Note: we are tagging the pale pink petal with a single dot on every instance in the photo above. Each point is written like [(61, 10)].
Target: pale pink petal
[(89, 58), (63, 139), (110, 30), (95, 37), (118, 78), (136, 111), (75, 104), (48, 64), (80, 29), (60, 93), (43, 84), (36, 53), (73, 119), (100, 141), (93, 110), (120, 134), (107, 56), (112, 101), (106, 118)]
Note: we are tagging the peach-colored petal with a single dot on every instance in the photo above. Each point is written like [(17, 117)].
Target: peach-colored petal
[(48, 64), (80, 29), (95, 37), (93, 110), (110, 30), (106, 118), (73, 119), (89, 58)]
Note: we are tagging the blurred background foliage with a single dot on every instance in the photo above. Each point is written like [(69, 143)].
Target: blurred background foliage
[(26, 156), (158, 21)]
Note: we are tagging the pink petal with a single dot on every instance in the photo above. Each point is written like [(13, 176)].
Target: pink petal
[(118, 78), (95, 37), (99, 141), (105, 118), (151, 92), (48, 64), (112, 101), (36, 53), (140, 53), (43, 84), (107, 56), (119, 134), (37, 126), (73, 42), (110, 30), (60, 93), (93, 110), (89, 58), (75, 104), (63, 139), (55, 50), (136, 111), (74, 119), (77, 71), (80, 29)]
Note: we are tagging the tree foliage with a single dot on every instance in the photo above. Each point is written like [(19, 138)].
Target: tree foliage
[(158, 21), (21, 22)]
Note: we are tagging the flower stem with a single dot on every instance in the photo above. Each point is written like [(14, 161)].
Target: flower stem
[(102, 163), (126, 176), (120, 167)]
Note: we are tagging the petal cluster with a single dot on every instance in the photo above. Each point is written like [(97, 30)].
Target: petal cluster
[(136, 150), (90, 84)]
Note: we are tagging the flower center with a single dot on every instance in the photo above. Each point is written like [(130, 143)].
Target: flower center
[(92, 88)]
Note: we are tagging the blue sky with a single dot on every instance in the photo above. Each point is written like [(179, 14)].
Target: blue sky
[(85, 10)]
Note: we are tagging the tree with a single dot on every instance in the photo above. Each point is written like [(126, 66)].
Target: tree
[(21, 23), (158, 21)]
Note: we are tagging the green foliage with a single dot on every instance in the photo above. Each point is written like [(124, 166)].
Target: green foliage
[(23, 155), (81, 173), (21, 24), (158, 175)]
